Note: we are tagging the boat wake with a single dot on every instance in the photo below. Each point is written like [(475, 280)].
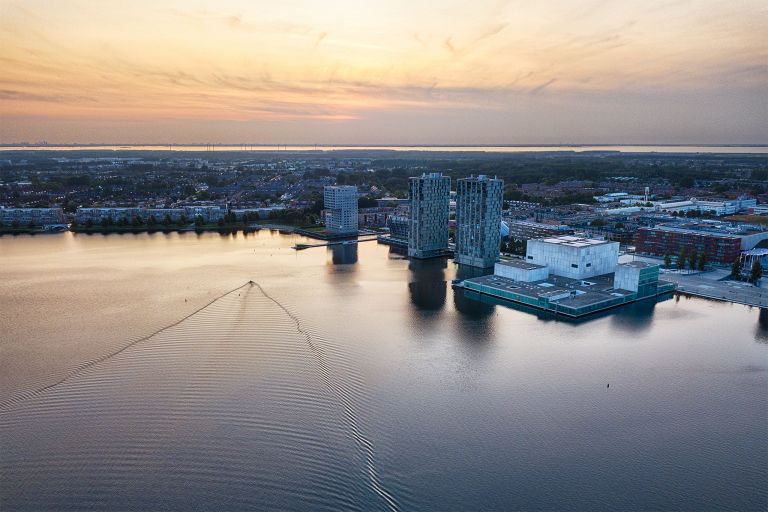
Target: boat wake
[(238, 405)]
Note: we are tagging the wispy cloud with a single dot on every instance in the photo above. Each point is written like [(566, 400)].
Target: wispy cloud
[(539, 88), (243, 61)]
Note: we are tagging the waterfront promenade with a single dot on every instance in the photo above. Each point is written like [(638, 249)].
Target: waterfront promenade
[(707, 284)]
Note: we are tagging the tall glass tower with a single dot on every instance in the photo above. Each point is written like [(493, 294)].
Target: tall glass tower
[(478, 220), (429, 196)]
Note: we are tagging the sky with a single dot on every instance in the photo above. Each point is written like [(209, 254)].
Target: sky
[(385, 72)]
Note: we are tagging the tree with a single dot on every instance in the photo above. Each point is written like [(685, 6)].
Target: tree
[(736, 268), (199, 220), (681, 259), (756, 273), (693, 257), (702, 261), (366, 202), (667, 260), (167, 220)]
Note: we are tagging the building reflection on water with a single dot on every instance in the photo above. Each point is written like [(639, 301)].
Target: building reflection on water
[(397, 252), (343, 254), (468, 306), (635, 317), (428, 286), (761, 332), (467, 272)]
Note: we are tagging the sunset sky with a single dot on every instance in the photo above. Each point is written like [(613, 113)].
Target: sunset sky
[(388, 72)]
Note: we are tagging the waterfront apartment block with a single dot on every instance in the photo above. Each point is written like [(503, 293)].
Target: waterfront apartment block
[(209, 214), (721, 243), (478, 217), (25, 217), (429, 196), (245, 214), (398, 227), (341, 209), (572, 256)]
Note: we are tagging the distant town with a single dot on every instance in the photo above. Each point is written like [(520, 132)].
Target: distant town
[(572, 233)]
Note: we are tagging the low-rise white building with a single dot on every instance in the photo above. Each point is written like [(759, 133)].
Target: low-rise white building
[(637, 276), (521, 270), (209, 214), (573, 256), (31, 216), (718, 207)]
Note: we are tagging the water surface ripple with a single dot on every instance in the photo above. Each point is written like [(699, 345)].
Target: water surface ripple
[(238, 405)]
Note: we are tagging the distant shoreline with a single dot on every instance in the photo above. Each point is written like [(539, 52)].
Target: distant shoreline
[(452, 148)]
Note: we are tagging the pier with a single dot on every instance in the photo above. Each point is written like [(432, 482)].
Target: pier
[(301, 247)]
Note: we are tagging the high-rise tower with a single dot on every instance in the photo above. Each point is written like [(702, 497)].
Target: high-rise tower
[(429, 196), (478, 220), (341, 209)]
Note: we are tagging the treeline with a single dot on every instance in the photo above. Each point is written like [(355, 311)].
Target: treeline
[(293, 216), (683, 171)]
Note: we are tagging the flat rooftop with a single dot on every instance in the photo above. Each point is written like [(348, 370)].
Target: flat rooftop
[(580, 293), (573, 241), (720, 229), (520, 264), (638, 264)]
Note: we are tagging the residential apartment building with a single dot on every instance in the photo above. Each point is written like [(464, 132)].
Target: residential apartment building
[(721, 243), (429, 196), (209, 214), (398, 227), (24, 217), (478, 219), (341, 209)]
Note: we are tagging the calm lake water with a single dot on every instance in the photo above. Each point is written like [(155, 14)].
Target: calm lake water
[(212, 372)]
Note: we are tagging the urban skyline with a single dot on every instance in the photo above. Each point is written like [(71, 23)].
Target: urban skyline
[(386, 256)]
